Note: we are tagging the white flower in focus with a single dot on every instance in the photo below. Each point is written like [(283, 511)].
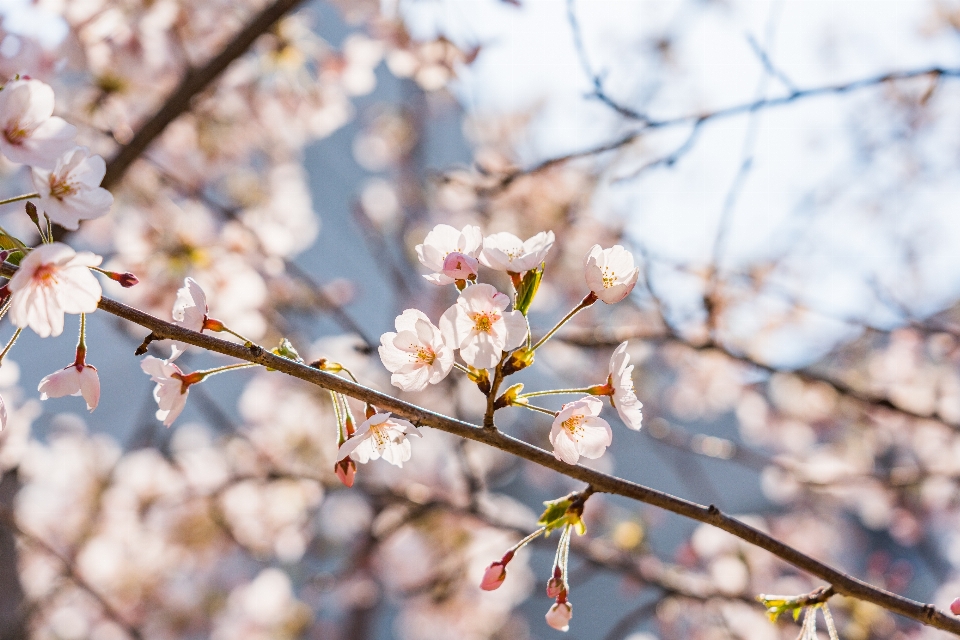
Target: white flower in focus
[(610, 273), (52, 280), (450, 254), (170, 392), (624, 398), (479, 327), (577, 431), (189, 311), (71, 192), (73, 380), (559, 616), (416, 355), (380, 436), (29, 132), (506, 252)]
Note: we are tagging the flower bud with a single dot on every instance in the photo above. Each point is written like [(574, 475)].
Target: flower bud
[(459, 266), (346, 470), (955, 607), (125, 279), (494, 576)]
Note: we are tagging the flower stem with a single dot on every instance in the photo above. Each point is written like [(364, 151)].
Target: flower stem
[(25, 196), (230, 367), (13, 339), (831, 627), (460, 367), (586, 302), (336, 410), (534, 407), (530, 538), (553, 392)]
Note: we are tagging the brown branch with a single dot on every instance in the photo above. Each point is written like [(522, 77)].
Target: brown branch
[(193, 82), (841, 582)]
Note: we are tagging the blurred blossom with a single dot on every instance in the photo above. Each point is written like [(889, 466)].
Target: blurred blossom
[(31, 134)]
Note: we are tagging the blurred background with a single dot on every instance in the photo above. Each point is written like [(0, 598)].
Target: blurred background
[(785, 174)]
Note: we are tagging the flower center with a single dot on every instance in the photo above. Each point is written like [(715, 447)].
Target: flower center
[(60, 188), (46, 274), (15, 133), (379, 434), (608, 277), (426, 355), (483, 321), (574, 426)]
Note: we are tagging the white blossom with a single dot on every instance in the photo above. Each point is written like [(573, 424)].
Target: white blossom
[(610, 273), (29, 132), (73, 380), (170, 392), (450, 254), (624, 398), (52, 280), (577, 431), (71, 192), (506, 252), (559, 616), (380, 436), (479, 327), (189, 311), (416, 354)]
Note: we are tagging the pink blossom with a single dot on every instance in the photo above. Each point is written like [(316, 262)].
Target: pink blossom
[(624, 398), (444, 241), (610, 273), (479, 327), (52, 280), (577, 431), (71, 192), (416, 354), (190, 312), (73, 380), (170, 392), (506, 252), (29, 132), (559, 616), (380, 436)]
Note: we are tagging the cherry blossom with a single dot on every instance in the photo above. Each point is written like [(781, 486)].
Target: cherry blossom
[(71, 192), (624, 399), (73, 380), (451, 254), (380, 436), (52, 280), (416, 354), (610, 273), (29, 132), (559, 616), (190, 312), (577, 431), (506, 252), (479, 327), (170, 392)]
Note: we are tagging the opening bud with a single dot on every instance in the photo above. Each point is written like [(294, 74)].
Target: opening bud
[(346, 471), (559, 615), (125, 279)]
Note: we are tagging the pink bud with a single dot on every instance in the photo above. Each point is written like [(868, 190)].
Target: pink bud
[(559, 616), (212, 325), (494, 576), (554, 587), (125, 279), (346, 470), (955, 607), (460, 267)]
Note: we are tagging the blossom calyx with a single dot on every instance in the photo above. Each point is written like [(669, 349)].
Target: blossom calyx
[(518, 360), (509, 397)]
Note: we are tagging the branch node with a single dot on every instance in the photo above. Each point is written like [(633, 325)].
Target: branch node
[(142, 349), (256, 350)]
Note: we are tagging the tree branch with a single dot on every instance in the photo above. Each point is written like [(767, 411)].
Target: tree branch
[(841, 582), (193, 82), (696, 119)]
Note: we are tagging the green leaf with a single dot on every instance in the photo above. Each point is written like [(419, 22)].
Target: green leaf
[(558, 514)]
